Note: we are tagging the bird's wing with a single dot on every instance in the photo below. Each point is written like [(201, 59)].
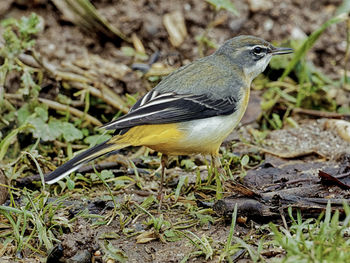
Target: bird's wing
[(157, 108)]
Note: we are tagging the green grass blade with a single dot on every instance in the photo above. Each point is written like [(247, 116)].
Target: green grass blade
[(6, 142), (232, 229), (309, 42)]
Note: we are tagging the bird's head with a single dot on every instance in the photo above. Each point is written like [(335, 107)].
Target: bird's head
[(251, 54)]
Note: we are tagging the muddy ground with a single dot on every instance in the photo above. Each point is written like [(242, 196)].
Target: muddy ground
[(314, 146)]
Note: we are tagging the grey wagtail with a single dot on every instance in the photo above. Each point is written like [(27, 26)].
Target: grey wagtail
[(190, 111)]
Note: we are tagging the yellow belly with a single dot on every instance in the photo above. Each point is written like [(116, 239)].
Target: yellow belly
[(165, 138)]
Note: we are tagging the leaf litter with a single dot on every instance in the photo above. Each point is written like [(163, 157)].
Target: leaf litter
[(110, 202)]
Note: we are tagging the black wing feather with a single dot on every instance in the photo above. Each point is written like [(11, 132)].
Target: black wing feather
[(172, 108)]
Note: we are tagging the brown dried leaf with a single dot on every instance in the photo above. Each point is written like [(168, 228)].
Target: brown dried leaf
[(146, 237), (175, 25), (103, 66), (85, 15), (138, 44), (159, 69), (328, 179), (5, 6), (341, 127), (3, 190)]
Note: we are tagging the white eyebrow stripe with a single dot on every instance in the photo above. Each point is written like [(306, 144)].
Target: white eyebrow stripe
[(262, 46)]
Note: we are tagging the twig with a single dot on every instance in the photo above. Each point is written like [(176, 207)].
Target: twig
[(286, 155), (84, 14), (323, 114), (84, 82), (283, 218), (346, 57), (98, 167), (104, 93), (60, 107), (15, 96), (65, 145)]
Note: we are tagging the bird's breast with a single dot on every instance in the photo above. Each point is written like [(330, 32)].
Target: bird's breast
[(206, 135)]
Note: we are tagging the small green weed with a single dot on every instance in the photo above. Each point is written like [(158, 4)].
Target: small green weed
[(301, 83), (203, 39), (323, 240), (18, 37), (33, 222)]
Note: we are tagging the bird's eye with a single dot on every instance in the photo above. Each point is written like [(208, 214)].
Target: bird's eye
[(257, 50)]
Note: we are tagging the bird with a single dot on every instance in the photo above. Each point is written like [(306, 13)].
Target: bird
[(190, 111)]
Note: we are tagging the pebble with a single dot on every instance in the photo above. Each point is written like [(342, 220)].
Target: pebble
[(268, 25), (236, 24), (297, 33), (80, 257)]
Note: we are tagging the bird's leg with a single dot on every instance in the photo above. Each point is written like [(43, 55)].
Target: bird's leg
[(215, 160), (218, 179), (164, 165)]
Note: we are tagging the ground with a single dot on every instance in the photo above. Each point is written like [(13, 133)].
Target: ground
[(291, 149)]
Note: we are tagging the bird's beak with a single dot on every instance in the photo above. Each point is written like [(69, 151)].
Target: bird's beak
[(281, 50)]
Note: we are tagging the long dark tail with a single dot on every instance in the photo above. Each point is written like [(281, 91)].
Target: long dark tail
[(79, 160)]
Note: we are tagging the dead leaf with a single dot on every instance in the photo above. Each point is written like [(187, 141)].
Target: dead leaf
[(146, 237), (341, 127), (3, 190), (159, 69), (328, 179), (85, 15), (96, 64), (241, 189), (5, 6), (138, 44), (175, 25)]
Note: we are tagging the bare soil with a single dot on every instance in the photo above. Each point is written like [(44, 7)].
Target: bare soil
[(61, 42)]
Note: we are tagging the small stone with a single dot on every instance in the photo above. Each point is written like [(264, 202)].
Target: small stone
[(297, 33), (80, 257), (5, 6), (268, 25), (152, 24), (187, 7), (236, 24)]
